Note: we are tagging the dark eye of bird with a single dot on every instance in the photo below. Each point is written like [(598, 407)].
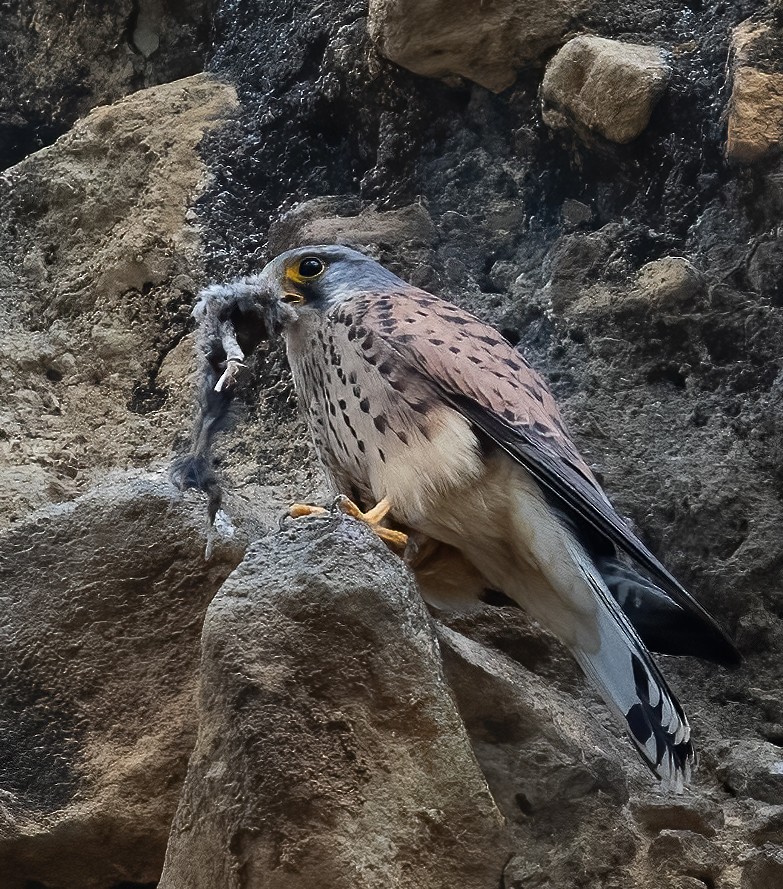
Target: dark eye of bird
[(310, 267)]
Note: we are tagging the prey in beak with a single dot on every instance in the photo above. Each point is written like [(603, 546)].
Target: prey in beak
[(233, 320)]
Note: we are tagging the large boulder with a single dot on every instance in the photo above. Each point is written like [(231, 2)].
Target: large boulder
[(487, 43), (102, 603), (330, 752), (99, 261)]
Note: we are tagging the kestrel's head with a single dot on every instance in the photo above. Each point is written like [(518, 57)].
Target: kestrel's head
[(313, 279)]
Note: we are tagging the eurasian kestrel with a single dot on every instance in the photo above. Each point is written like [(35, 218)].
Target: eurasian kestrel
[(425, 416)]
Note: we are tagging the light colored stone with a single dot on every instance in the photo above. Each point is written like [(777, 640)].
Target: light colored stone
[(603, 87), (95, 233), (669, 283), (330, 752), (484, 42), (755, 121)]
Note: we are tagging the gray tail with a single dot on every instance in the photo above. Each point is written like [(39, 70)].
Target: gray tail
[(634, 688)]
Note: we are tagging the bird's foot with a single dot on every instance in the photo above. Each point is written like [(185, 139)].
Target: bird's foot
[(373, 518)]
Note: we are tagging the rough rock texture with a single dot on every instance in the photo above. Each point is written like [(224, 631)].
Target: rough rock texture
[(330, 752), (99, 263), (59, 58), (603, 86), (487, 43), (755, 113), (643, 279), (102, 603)]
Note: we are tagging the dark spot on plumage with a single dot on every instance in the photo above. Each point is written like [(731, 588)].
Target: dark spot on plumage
[(386, 367), (352, 377), (508, 414), (474, 358), (367, 341), (382, 455), (638, 724), (534, 391), (380, 423), (514, 365), (455, 349), (357, 391), (341, 375), (405, 338), (435, 341), (489, 340), (364, 406), (422, 313), (410, 320), (360, 445), (397, 384), (371, 359), (351, 333), (402, 437), (347, 421), (421, 407), (361, 332), (342, 404), (456, 319), (332, 410)]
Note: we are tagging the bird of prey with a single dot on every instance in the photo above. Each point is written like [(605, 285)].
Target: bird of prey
[(429, 419)]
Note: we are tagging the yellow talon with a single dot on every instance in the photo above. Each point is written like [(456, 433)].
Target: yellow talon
[(373, 517), (298, 510)]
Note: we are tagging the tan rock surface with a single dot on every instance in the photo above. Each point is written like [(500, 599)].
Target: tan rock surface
[(487, 43), (100, 259), (755, 122), (604, 87)]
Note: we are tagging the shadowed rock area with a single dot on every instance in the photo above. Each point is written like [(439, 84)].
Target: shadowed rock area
[(621, 228)]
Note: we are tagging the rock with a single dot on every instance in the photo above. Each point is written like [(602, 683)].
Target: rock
[(604, 87), (755, 119), (558, 754), (763, 869), (684, 814), (330, 752), (79, 55), (669, 284), (103, 600), (95, 237), (755, 111), (687, 853), (753, 768), (485, 43), (330, 221)]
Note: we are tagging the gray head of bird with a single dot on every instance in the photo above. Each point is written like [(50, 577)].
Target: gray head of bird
[(297, 285)]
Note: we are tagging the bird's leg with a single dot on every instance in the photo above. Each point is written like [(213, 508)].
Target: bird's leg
[(373, 517)]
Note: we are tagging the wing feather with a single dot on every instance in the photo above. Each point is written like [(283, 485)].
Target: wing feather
[(475, 370)]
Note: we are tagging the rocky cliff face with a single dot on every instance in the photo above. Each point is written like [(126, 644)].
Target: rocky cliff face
[(602, 181)]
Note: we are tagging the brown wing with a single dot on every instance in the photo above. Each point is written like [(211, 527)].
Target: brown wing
[(479, 373)]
